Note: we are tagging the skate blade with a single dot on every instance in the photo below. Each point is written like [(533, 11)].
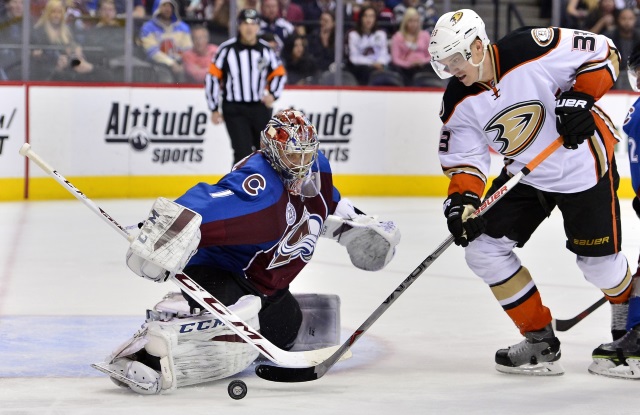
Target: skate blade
[(540, 369), (605, 367), (104, 368)]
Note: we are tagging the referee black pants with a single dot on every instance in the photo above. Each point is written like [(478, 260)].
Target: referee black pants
[(244, 123)]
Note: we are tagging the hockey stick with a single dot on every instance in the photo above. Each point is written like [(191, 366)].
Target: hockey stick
[(564, 325), (282, 374), (206, 300)]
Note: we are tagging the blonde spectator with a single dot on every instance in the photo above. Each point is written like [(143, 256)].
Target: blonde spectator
[(197, 60), (410, 47), (60, 56)]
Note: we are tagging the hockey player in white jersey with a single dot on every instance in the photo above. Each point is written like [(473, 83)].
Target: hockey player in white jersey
[(515, 97)]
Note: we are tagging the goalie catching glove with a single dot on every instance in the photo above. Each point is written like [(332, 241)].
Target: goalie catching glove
[(371, 244), (167, 240), (462, 223), (574, 120)]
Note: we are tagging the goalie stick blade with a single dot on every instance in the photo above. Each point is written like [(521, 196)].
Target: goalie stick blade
[(288, 375)]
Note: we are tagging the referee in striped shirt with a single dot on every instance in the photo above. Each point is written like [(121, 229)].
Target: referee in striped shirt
[(247, 76)]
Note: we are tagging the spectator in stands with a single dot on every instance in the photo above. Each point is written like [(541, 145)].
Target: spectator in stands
[(11, 37), (271, 22), (77, 12), (290, 11), (300, 65), (221, 13), (367, 47), (625, 36), (105, 43), (139, 10), (197, 60), (166, 37), (61, 58), (271, 40), (401, 8), (313, 9), (576, 12), (322, 41), (603, 18), (108, 34), (410, 47), (384, 16)]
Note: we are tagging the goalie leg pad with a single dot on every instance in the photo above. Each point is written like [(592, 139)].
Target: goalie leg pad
[(166, 242), (320, 326), (191, 350)]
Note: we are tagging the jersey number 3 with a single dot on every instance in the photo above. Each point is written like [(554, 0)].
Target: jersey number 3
[(444, 141)]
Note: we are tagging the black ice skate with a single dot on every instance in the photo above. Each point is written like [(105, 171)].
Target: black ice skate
[(620, 358), (537, 355)]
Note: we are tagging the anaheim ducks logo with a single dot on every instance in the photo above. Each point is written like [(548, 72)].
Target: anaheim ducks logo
[(516, 127), (455, 18)]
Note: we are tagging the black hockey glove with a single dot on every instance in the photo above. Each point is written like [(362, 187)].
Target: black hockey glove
[(574, 120), (636, 206), (458, 209)]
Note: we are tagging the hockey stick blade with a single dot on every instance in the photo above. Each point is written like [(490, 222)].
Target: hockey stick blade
[(564, 325), (282, 374), (251, 336)]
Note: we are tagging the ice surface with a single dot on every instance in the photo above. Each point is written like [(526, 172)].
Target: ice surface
[(67, 299)]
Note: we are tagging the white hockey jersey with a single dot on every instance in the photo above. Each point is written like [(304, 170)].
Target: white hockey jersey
[(515, 115)]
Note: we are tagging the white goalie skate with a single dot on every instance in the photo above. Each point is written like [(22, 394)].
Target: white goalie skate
[(536, 355)]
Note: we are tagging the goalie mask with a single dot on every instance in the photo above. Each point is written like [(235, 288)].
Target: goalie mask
[(452, 38), (290, 143), (633, 65)]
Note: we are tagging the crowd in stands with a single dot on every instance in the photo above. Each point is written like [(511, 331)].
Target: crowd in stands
[(386, 41), (174, 40), (616, 19)]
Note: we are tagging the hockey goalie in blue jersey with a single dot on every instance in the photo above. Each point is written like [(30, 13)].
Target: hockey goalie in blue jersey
[(244, 240)]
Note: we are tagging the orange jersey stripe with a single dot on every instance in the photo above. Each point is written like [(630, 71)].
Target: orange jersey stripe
[(215, 71), (279, 71)]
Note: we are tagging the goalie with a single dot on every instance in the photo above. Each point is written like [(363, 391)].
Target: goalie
[(254, 231)]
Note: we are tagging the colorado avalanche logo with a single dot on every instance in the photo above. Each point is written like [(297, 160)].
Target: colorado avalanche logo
[(253, 184), (299, 242)]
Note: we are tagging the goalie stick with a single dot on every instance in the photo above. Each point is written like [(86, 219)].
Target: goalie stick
[(282, 374), (206, 300), (564, 325)]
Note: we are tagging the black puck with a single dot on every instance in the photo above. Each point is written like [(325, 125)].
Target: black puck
[(237, 389)]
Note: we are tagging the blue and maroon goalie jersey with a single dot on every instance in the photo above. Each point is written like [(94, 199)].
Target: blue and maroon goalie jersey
[(253, 226)]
